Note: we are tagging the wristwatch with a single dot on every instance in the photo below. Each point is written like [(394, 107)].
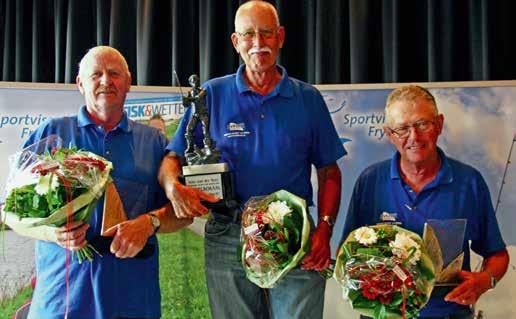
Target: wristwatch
[(493, 279), (156, 223), (327, 219)]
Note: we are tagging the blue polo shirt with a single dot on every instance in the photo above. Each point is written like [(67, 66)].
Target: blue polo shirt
[(458, 191), (270, 142), (108, 287)]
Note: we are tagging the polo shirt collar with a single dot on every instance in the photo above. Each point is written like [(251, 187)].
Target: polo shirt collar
[(84, 119), (283, 88), (444, 176)]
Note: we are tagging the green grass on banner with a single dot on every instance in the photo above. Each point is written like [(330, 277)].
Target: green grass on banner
[(183, 287)]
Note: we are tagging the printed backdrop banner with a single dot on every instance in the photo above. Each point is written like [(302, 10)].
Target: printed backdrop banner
[(479, 129)]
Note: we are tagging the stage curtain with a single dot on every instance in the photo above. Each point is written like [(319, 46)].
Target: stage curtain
[(327, 41)]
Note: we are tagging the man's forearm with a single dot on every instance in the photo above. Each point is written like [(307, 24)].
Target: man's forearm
[(169, 221), (496, 264), (169, 171), (328, 196)]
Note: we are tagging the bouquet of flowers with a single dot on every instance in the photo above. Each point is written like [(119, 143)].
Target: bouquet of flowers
[(53, 188), (385, 272), (275, 232)]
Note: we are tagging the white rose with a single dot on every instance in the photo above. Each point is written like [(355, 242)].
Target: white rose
[(403, 245), (366, 236), (276, 211), (46, 183)]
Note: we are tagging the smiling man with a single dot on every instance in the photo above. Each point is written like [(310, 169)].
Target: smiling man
[(270, 129), (116, 285), (419, 183)]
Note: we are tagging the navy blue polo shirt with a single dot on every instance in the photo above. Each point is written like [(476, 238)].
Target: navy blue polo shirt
[(270, 142), (457, 192), (108, 287)]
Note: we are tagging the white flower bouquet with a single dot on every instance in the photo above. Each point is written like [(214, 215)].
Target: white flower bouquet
[(275, 233), (385, 272), (51, 186)]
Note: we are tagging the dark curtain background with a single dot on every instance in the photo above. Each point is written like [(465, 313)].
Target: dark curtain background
[(327, 41)]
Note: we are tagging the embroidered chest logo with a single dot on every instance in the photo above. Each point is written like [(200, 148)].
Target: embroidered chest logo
[(387, 218), (236, 130)]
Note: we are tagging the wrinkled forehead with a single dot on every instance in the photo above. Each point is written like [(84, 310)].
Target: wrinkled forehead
[(257, 16), (405, 111), (100, 60)]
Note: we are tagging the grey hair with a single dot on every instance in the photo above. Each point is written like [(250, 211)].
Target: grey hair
[(259, 3), (99, 50), (409, 93)]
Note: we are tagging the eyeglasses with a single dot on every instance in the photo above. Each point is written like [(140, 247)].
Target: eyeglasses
[(423, 126), (264, 33)]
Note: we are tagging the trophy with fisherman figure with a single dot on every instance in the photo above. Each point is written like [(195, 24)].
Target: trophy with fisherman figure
[(204, 170)]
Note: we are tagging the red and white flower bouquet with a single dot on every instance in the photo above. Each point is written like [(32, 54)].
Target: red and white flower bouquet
[(275, 234), (51, 186), (385, 272)]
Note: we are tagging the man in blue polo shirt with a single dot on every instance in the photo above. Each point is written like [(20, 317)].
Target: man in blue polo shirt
[(270, 129), (114, 285), (420, 182)]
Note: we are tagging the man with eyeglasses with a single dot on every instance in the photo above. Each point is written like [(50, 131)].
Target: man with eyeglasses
[(420, 182), (270, 129)]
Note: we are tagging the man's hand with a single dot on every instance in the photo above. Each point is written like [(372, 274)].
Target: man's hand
[(73, 236), (319, 256), (130, 237), (473, 285), (186, 201)]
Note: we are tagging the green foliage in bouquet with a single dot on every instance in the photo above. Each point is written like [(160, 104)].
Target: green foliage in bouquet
[(56, 187), (385, 272)]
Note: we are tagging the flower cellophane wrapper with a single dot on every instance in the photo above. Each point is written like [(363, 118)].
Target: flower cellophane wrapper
[(368, 275), (70, 182), (263, 265)]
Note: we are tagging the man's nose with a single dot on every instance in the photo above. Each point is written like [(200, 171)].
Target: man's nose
[(258, 39), (105, 78), (413, 132)]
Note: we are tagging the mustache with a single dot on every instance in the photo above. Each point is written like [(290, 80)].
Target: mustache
[(105, 89), (258, 50)]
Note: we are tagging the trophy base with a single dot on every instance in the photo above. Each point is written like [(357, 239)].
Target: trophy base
[(215, 179)]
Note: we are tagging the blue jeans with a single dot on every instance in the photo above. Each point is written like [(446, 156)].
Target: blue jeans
[(300, 294)]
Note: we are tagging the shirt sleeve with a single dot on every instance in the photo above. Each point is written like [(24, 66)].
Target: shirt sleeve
[(490, 239), (326, 147)]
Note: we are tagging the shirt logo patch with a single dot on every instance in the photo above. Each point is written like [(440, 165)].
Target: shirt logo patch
[(236, 126), (236, 130), (388, 218)]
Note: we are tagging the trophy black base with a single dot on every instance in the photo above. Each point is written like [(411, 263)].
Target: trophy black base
[(215, 179)]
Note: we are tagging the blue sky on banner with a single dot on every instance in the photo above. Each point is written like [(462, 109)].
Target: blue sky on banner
[(480, 127)]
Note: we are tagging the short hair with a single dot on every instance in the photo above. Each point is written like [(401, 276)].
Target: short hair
[(157, 117), (263, 4), (101, 49), (409, 93)]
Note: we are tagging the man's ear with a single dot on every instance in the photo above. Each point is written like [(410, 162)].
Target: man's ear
[(79, 84), (129, 80), (234, 40), (440, 123), (387, 132), (281, 36)]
